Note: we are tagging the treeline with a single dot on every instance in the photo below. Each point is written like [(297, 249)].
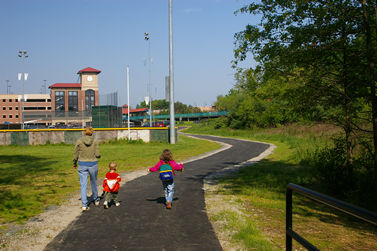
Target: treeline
[(163, 106), (315, 62)]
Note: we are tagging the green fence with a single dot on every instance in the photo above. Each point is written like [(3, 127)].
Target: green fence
[(106, 116)]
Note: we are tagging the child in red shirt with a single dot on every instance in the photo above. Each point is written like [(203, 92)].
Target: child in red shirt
[(111, 185)]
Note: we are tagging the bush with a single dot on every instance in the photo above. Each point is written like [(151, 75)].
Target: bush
[(353, 182), (221, 122)]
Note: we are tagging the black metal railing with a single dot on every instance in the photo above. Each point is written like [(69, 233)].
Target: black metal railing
[(360, 213)]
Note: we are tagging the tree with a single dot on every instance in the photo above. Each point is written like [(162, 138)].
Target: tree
[(163, 106), (319, 42), (369, 14)]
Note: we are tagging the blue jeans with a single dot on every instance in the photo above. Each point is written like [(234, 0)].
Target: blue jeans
[(83, 171), (168, 189)]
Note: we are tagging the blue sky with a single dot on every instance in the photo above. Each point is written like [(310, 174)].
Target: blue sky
[(62, 37)]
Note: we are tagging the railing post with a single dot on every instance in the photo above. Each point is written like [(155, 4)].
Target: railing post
[(288, 219)]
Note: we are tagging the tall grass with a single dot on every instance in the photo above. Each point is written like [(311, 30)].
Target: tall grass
[(260, 190)]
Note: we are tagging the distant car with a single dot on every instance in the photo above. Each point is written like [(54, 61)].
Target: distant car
[(156, 124), (132, 124), (159, 124)]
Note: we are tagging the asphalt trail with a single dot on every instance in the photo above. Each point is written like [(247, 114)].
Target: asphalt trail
[(141, 222)]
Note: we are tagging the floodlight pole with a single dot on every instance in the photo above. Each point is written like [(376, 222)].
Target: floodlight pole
[(171, 80), (8, 86), (45, 85), (147, 37), (22, 55)]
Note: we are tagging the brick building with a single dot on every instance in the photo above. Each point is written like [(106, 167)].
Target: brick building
[(73, 97), (68, 103), (72, 102), (11, 107)]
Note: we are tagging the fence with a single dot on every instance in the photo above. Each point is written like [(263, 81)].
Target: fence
[(69, 136), (324, 199), (109, 99), (107, 116)]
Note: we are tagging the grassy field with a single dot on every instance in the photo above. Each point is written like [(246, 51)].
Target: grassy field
[(259, 194), (35, 177)]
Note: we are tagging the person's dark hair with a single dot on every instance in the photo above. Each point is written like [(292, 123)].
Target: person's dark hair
[(166, 155)]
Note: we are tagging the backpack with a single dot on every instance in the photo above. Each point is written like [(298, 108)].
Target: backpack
[(112, 184), (166, 172)]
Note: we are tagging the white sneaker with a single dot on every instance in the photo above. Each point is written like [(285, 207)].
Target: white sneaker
[(85, 208), (96, 203), (117, 204), (105, 205)]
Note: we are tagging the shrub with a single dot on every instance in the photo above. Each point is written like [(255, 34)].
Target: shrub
[(353, 182)]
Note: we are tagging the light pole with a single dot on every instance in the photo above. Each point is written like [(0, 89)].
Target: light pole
[(128, 102), (45, 85), (22, 55), (171, 80), (8, 86), (147, 38)]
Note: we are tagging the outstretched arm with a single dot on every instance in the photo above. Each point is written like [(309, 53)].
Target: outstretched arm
[(178, 167), (156, 167)]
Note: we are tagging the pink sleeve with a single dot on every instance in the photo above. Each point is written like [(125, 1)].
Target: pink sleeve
[(176, 166), (156, 167)]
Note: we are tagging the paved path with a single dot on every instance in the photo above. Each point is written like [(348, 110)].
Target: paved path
[(141, 222)]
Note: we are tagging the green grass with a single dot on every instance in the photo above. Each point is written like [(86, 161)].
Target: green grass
[(35, 177), (260, 190)]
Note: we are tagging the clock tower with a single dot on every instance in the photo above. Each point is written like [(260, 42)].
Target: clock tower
[(89, 79)]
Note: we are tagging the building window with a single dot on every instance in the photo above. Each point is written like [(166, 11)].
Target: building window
[(16, 116), (4, 100), (10, 108), (10, 100), (59, 101), (36, 100), (73, 101), (89, 100), (10, 116), (17, 108), (4, 116), (34, 108), (4, 108)]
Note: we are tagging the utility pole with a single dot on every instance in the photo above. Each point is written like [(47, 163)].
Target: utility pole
[(147, 38), (171, 80)]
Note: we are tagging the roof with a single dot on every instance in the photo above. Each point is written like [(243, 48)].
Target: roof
[(65, 85), (89, 69), (125, 110)]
